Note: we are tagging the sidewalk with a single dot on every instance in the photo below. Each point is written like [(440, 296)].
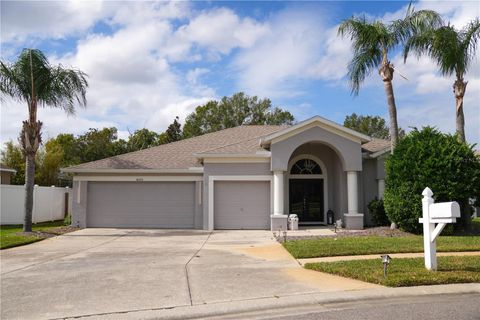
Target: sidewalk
[(245, 308), (377, 256)]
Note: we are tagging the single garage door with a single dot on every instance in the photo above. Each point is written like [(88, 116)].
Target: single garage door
[(141, 204), (241, 205)]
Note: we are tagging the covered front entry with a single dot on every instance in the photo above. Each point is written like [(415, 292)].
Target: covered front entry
[(307, 191), (306, 200)]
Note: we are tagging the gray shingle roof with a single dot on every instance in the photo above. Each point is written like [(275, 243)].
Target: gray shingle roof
[(183, 154), (376, 145), (180, 154)]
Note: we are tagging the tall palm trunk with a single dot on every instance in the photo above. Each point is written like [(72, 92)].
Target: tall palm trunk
[(29, 186), (386, 72), (459, 87), (30, 140)]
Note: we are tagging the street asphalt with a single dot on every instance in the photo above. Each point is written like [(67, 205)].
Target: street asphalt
[(435, 307)]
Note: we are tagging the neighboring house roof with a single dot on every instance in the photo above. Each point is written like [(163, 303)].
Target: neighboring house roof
[(184, 155), (377, 147), (5, 168)]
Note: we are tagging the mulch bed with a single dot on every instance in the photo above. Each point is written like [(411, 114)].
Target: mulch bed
[(368, 232)]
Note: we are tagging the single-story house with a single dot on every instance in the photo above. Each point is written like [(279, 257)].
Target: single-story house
[(247, 177), (6, 174)]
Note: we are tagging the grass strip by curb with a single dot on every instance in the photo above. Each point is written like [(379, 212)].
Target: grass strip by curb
[(405, 272), (347, 246)]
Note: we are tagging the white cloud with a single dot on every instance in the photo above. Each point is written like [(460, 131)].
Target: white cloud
[(282, 56), (221, 30), (42, 19)]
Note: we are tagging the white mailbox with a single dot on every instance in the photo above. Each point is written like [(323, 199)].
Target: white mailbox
[(443, 212), (435, 218)]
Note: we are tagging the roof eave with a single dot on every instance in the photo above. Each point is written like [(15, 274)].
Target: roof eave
[(265, 154), (380, 153), (107, 170)]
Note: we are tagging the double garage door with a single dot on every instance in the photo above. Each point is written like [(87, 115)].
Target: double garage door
[(141, 204), (237, 205)]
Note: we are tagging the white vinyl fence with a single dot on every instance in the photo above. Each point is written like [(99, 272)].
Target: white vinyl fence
[(48, 204)]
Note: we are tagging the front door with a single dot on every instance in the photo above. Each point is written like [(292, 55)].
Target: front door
[(306, 200)]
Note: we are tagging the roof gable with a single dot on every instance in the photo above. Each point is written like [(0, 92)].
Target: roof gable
[(316, 121)]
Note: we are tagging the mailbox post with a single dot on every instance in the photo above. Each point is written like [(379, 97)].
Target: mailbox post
[(435, 218)]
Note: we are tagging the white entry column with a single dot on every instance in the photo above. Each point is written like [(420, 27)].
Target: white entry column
[(353, 219), (278, 219), (278, 202), (352, 191)]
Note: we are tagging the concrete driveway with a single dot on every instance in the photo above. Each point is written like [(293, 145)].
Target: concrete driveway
[(108, 271)]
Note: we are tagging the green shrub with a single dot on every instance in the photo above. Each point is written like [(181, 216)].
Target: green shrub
[(68, 220), (429, 158), (377, 212)]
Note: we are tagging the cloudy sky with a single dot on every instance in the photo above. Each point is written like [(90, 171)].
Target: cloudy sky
[(151, 61)]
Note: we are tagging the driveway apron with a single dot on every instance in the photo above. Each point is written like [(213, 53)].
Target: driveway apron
[(108, 271)]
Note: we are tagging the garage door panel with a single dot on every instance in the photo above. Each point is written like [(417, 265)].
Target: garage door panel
[(141, 205), (242, 205)]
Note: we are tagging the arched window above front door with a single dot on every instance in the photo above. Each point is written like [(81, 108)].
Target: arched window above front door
[(306, 166)]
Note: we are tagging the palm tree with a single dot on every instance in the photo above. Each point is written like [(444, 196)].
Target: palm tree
[(372, 43), (453, 51), (33, 80)]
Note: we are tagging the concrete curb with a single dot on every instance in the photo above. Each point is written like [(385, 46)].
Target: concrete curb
[(242, 308)]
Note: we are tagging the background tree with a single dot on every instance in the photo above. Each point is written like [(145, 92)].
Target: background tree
[(429, 158), (373, 42), (142, 139), (98, 144), (453, 51), (229, 112), (49, 162), (373, 126), (33, 80), (172, 134), (70, 147), (13, 157)]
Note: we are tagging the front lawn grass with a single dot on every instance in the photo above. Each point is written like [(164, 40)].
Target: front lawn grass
[(405, 272), (11, 236), (347, 246)]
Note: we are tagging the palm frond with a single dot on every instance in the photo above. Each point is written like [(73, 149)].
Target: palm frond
[(470, 35), (419, 43), (56, 87), (361, 32), (370, 42), (9, 83), (67, 88), (414, 23), (362, 64)]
